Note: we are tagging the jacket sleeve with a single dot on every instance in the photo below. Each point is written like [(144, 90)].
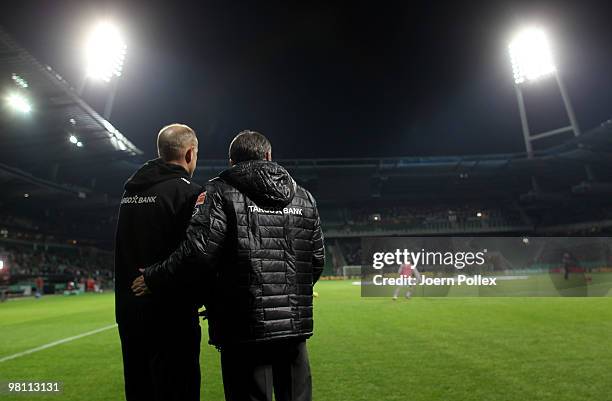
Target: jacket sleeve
[(318, 256), (201, 246)]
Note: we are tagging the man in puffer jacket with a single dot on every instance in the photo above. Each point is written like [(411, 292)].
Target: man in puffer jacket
[(257, 235)]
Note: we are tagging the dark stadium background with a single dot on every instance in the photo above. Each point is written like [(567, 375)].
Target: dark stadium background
[(370, 80), (401, 118)]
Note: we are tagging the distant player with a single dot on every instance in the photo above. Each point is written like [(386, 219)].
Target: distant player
[(39, 282), (568, 264), (406, 270)]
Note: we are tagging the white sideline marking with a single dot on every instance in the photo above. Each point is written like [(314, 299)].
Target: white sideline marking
[(58, 342), (502, 278)]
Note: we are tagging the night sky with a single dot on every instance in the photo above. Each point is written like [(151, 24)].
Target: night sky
[(329, 80)]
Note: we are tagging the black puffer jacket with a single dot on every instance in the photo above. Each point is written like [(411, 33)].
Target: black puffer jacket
[(257, 236)]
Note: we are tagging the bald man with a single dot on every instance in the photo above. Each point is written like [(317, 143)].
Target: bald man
[(160, 337)]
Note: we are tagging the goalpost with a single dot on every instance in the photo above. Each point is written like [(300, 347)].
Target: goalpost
[(351, 271)]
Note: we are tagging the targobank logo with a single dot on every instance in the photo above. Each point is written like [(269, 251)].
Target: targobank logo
[(138, 199), (288, 210)]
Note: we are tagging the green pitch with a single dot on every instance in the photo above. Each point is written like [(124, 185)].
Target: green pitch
[(364, 349)]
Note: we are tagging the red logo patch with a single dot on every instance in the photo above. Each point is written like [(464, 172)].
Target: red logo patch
[(201, 199)]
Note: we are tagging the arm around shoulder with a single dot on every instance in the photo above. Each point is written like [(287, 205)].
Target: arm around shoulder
[(204, 237)]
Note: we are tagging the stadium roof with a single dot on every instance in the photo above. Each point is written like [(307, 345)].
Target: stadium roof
[(561, 169), (38, 141), (56, 98)]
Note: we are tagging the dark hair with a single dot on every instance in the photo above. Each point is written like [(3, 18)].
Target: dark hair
[(249, 145)]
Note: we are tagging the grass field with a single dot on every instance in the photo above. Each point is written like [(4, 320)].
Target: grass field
[(364, 349)]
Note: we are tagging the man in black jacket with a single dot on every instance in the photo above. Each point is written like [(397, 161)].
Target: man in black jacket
[(259, 234), (160, 337)]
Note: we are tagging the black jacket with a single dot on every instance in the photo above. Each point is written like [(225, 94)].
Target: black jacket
[(259, 235), (153, 216)]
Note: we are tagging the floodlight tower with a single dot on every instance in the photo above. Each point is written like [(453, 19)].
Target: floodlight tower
[(532, 59), (105, 54)]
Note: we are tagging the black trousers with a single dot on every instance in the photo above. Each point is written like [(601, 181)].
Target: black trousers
[(253, 372), (161, 360)]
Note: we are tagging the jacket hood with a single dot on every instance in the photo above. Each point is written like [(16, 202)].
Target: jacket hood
[(266, 183), (154, 172)]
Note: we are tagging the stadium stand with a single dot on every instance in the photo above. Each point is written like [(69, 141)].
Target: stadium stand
[(56, 215), (63, 199), (56, 265)]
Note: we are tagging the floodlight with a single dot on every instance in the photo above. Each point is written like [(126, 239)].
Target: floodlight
[(73, 139), (530, 55), (18, 102), (79, 144), (105, 52), (19, 81), (532, 58)]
